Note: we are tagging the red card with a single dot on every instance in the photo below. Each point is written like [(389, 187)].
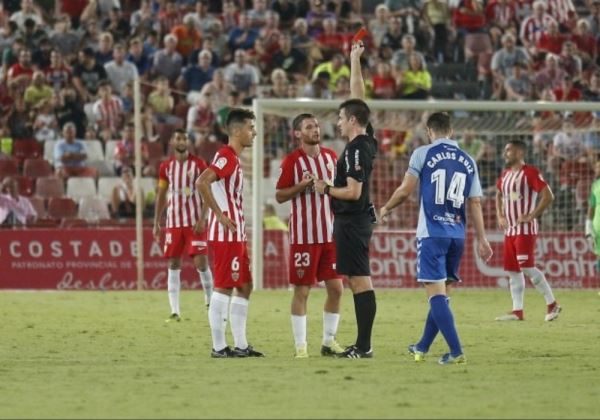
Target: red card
[(359, 35)]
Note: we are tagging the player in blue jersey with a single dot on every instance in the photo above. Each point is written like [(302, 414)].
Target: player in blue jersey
[(449, 183)]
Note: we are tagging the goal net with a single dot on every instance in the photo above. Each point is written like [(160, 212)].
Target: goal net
[(563, 142)]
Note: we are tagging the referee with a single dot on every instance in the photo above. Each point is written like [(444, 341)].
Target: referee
[(352, 207)]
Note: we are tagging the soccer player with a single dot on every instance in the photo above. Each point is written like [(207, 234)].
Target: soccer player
[(352, 207), (221, 187), (186, 218), (449, 183), (592, 223), (517, 208), (312, 251)]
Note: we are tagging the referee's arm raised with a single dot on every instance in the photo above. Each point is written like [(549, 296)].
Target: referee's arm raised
[(357, 84)]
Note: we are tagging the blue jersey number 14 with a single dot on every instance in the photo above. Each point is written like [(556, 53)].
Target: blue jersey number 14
[(456, 188)]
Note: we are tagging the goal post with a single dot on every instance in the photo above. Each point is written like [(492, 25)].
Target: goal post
[(396, 123)]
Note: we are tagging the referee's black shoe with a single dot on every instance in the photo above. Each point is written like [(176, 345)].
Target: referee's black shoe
[(353, 352)]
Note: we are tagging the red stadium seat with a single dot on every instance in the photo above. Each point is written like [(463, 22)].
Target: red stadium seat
[(26, 185), (27, 149), (62, 208), (8, 168), (36, 168), (49, 187), (39, 204), (156, 151)]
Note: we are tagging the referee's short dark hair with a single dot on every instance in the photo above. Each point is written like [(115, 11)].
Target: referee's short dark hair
[(358, 109), (297, 123), (238, 116), (439, 123)]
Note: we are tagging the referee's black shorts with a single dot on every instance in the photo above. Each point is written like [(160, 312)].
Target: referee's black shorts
[(352, 235)]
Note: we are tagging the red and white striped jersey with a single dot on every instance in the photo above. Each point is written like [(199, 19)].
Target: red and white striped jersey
[(561, 10), (311, 219), (532, 28), (519, 193), (228, 192), (109, 113), (184, 201)]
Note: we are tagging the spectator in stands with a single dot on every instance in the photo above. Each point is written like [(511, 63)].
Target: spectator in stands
[(119, 71), (270, 32), (202, 19), (518, 85), (384, 83), (33, 35), (551, 40), (290, 59), (143, 19), (40, 57), (45, 125), (138, 57), (124, 154), (379, 25), (342, 89), (336, 68), (392, 39), (243, 35), (330, 41), (18, 120), (68, 109), (315, 17), (159, 108), (570, 61), (90, 35), (123, 196), (219, 89), (503, 63), (201, 118), (502, 18), (220, 42), (116, 24), (271, 221), (243, 76), (58, 75), (303, 41), (400, 59), (594, 17), (563, 11), (188, 37), (230, 16), (69, 154), (567, 91), (14, 208), (20, 73), (436, 14), (167, 61), (87, 75), (534, 26), (260, 57), (288, 11), (279, 85), (586, 43), (37, 91), (470, 144), (195, 76), (591, 92), (567, 145), (64, 40), (108, 112), (105, 48), (488, 166), (414, 83), (169, 17), (318, 88), (258, 13), (28, 11), (550, 76)]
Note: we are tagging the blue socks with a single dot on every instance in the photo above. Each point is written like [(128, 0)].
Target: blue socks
[(443, 318), (429, 332)]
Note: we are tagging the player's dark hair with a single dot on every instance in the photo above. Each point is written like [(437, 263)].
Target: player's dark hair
[(179, 131), (297, 123), (358, 109), (439, 123), (519, 144), (238, 116)]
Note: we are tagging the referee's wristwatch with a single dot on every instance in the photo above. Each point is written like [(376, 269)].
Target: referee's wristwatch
[(326, 189)]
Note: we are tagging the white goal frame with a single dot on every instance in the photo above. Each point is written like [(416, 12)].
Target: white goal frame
[(262, 107)]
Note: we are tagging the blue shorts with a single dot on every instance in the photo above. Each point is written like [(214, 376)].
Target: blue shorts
[(438, 259)]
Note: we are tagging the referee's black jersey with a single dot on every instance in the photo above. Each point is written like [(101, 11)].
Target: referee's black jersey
[(356, 162)]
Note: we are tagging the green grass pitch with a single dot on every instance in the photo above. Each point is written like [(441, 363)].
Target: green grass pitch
[(110, 355)]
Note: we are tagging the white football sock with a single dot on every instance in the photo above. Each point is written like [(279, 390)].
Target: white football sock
[(517, 290), (237, 319), (206, 279), (299, 329), (173, 285), (330, 326), (541, 284), (217, 318)]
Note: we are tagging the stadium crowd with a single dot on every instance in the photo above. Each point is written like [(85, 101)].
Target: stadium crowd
[(66, 82)]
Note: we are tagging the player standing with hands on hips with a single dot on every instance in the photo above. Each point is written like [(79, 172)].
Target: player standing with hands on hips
[(186, 218), (449, 182), (353, 210)]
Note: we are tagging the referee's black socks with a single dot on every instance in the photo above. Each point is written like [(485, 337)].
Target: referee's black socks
[(365, 308)]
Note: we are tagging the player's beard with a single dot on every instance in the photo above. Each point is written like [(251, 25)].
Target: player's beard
[(312, 141), (181, 149)]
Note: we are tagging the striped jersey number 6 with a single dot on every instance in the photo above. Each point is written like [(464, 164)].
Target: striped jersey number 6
[(456, 188)]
